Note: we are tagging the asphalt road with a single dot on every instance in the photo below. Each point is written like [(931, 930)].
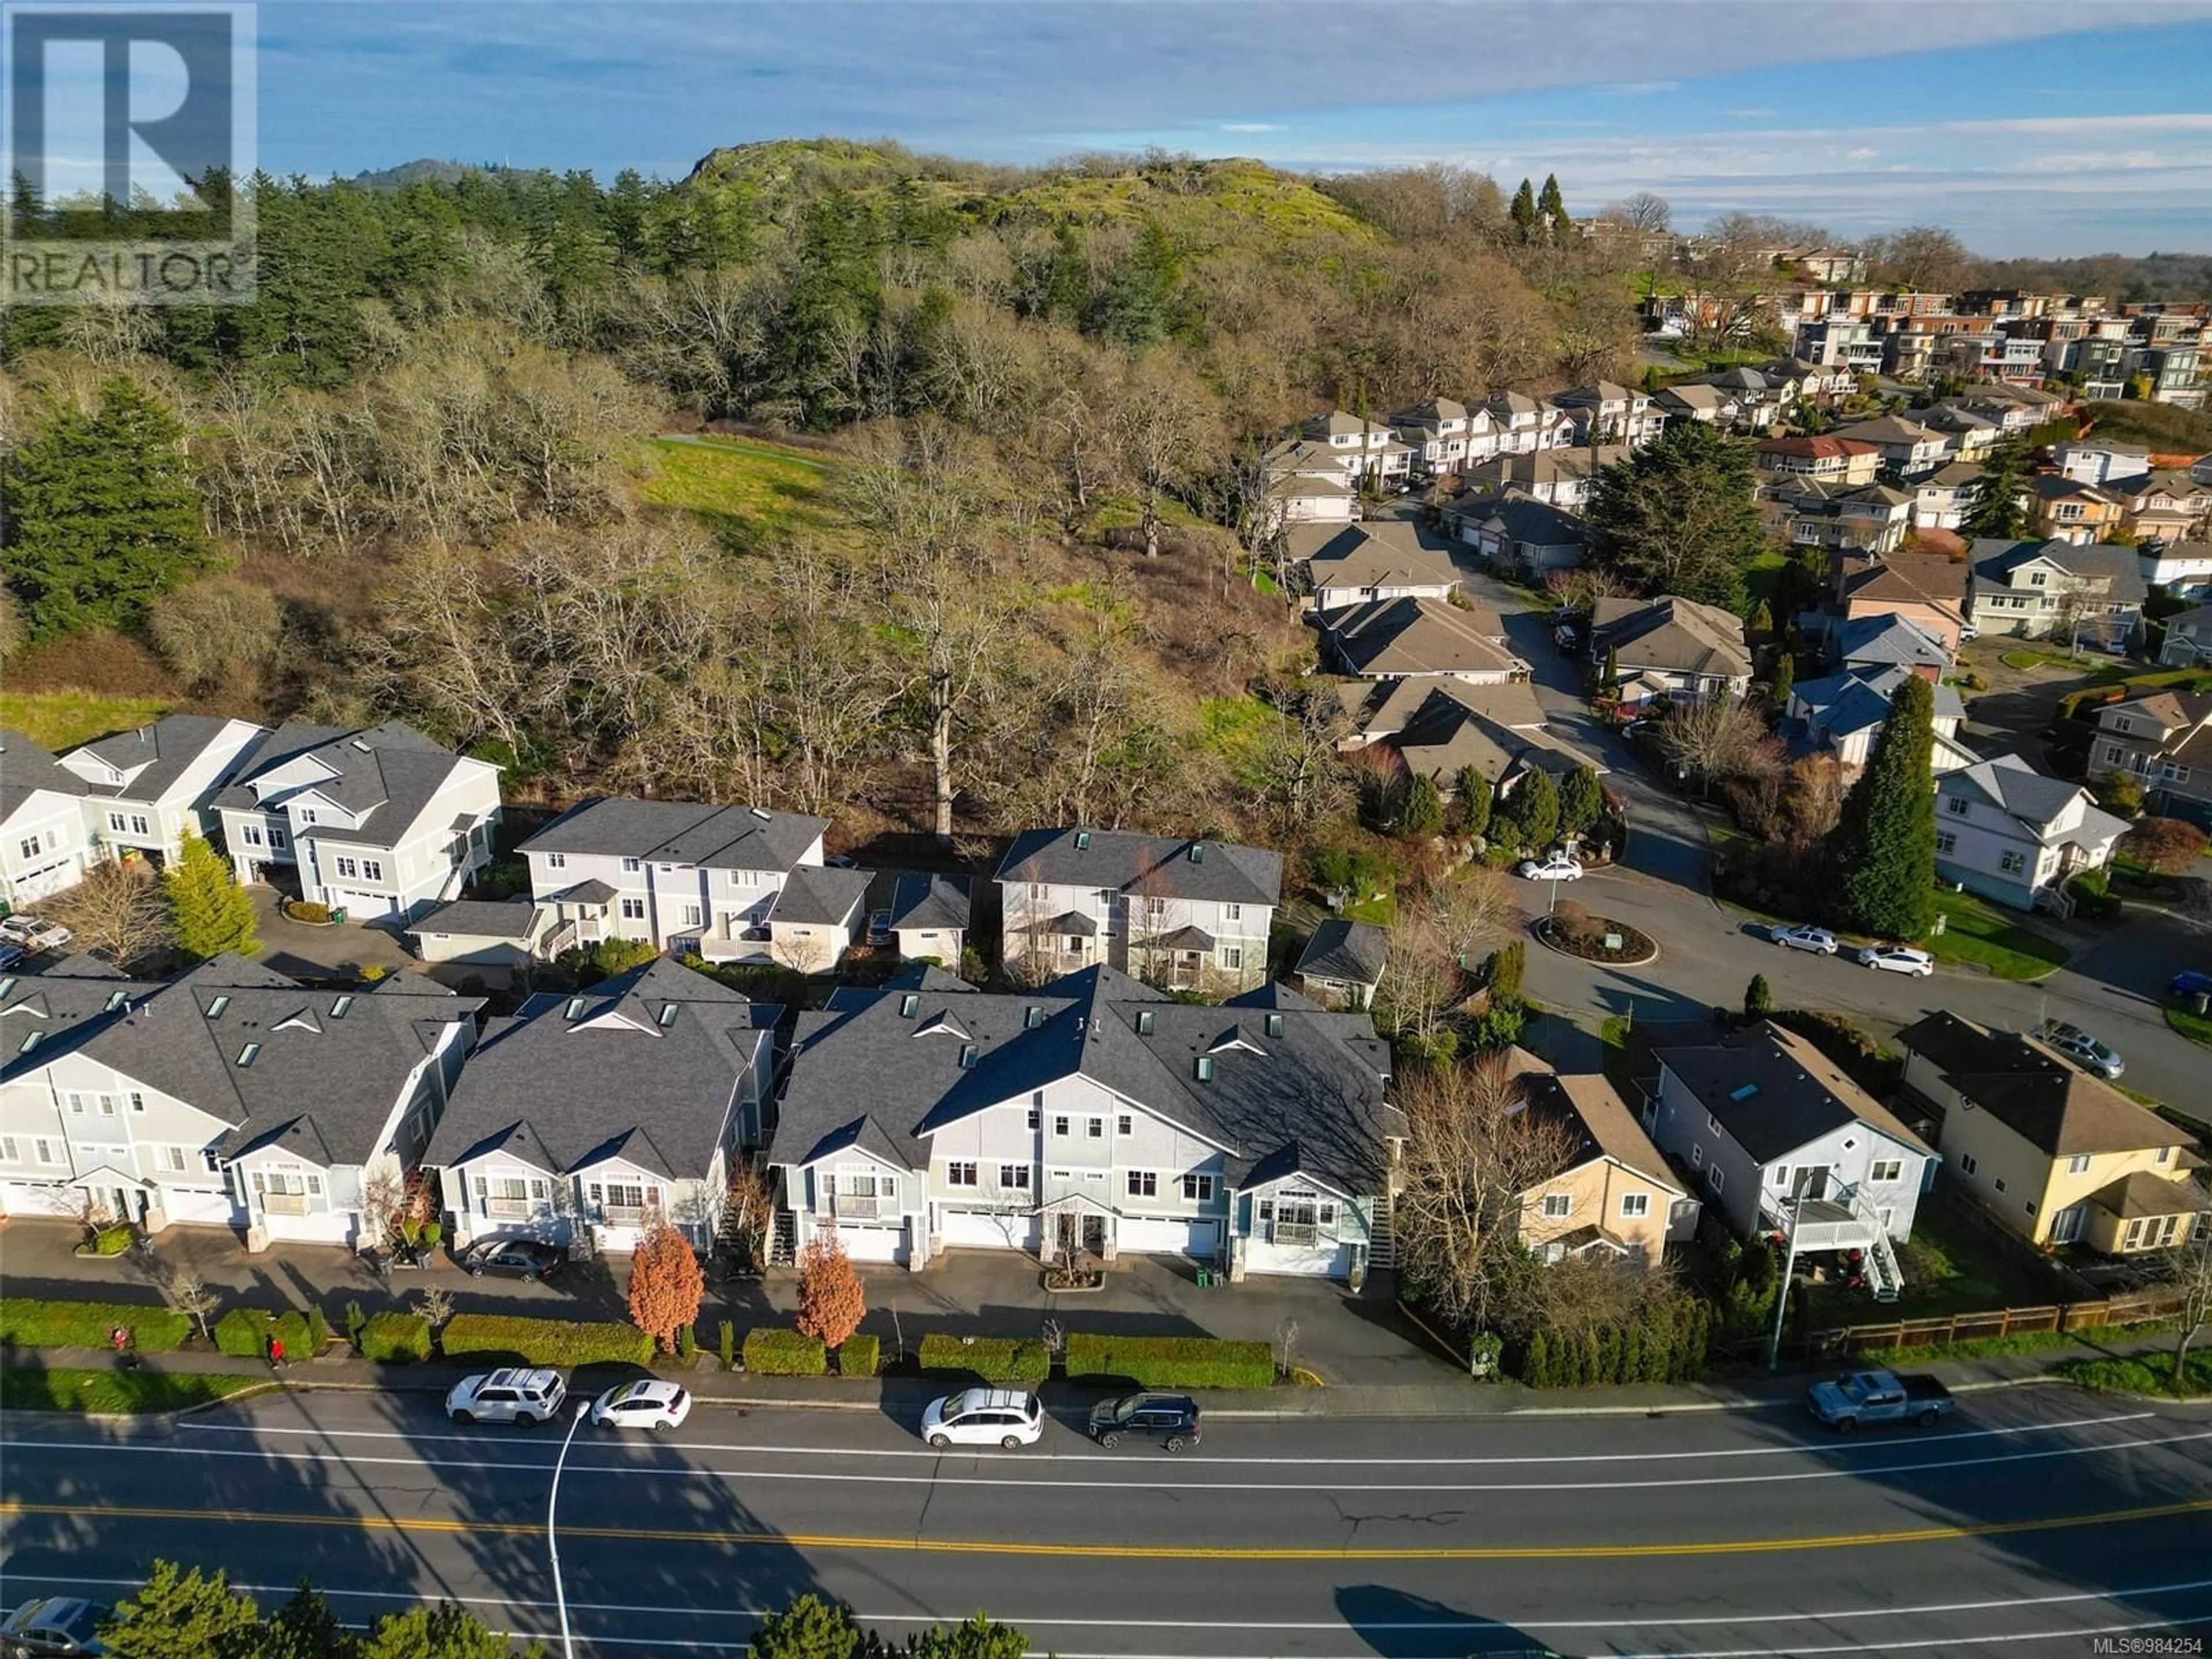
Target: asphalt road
[(2037, 1519)]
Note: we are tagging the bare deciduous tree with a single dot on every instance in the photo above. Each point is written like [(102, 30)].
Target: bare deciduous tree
[(1711, 738), (116, 913), (194, 1297), (2188, 1271)]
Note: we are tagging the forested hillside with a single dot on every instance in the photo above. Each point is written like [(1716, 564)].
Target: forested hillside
[(418, 478)]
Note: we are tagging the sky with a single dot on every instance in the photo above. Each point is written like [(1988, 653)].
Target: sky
[(2008, 120)]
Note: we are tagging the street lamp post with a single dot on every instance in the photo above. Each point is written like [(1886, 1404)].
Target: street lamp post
[(552, 1537), (1782, 1293)]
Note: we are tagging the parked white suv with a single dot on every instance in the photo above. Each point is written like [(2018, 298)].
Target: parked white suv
[(984, 1417), (508, 1396)]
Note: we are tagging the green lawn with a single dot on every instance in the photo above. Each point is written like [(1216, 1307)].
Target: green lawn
[(30, 1389), (61, 720), (1763, 572), (1976, 931), (1381, 911), (2196, 1027), (756, 494), (2145, 1374)]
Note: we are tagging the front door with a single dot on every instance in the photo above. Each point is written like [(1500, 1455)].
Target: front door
[(1094, 1235)]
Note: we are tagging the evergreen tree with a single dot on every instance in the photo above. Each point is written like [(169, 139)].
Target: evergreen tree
[(1785, 680), (182, 1615), (977, 1637), (101, 515), (445, 1632), (1993, 504), (1553, 209), (208, 913), (1523, 211), (1885, 841), (1502, 974), (1582, 802), (1535, 808), (1679, 517), (1474, 791), (836, 289), (1609, 680), (1422, 811), (810, 1628), (305, 1627), (1758, 998), (1536, 1362)]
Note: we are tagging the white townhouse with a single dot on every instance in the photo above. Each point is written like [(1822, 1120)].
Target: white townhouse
[(146, 788), (44, 846), (231, 1095), (1604, 412), (588, 1113), (1524, 425), (1445, 435), (1776, 1138), (2013, 834), (1190, 915), (1907, 448), (1093, 1115), (2186, 568), (2101, 460), (1361, 446), (377, 821), (733, 884)]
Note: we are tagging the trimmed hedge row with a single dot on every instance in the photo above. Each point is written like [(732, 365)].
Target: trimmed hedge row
[(773, 1352), (1000, 1362), (244, 1334), (560, 1342), (858, 1356), (1171, 1362), (28, 1322), (395, 1338)]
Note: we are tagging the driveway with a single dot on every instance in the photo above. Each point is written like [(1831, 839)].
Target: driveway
[(337, 951), (2009, 718)]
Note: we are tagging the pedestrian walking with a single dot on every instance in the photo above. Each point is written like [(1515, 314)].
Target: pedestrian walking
[(276, 1354)]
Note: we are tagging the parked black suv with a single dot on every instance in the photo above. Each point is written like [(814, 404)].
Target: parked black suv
[(1170, 1418), (523, 1258)]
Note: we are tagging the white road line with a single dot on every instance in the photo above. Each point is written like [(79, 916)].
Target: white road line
[(1833, 1445), (1471, 1624), (1144, 1479)]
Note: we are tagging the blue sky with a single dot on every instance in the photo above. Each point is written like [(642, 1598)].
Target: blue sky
[(2007, 121)]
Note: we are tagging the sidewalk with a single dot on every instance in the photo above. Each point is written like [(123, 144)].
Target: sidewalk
[(1459, 1398)]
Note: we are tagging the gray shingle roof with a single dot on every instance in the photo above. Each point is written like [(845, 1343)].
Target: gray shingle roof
[(1773, 1092), (1674, 634), (165, 749), (1127, 863), (2010, 783), (681, 832), (1311, 1094), (26, 768), (2119, 568), (1351, 951), (919, 899), (614, 1078), (390, 772), (818, 894), (1417, 636), (512, 919), (1889, 638)]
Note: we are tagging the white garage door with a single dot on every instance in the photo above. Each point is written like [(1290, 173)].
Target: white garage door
[(324, 1227), (198, 1208), (362, 907), (1159, 1235), (873, 1243), (1320, 1261), (989, 1229)]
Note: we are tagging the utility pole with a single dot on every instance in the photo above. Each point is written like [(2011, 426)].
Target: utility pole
[(1782, 1295)]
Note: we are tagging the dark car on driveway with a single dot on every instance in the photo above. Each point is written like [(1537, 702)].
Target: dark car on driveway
[(1169, 1419), (56, 1626), (518, 1258)]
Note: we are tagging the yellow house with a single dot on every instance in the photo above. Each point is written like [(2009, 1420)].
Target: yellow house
[(1613, 1191), (2053, 1154)]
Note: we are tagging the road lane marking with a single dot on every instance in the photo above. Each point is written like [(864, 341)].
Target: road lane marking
[(936, 1478), (1469, 1622), (477, 1527), (1833, 1444)]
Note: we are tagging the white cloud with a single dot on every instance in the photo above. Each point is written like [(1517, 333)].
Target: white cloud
[(1254, 126)]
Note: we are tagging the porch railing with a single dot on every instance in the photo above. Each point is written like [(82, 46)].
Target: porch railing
[(507, 1209), (1294, 1232), (623, 1215), (859, 1208), (285, 1203)]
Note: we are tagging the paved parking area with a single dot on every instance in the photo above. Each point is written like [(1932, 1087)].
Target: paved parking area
[(334, 952)]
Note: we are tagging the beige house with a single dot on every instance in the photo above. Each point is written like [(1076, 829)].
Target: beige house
[(1615, 1192), (1926, 591), (2051, 1153)]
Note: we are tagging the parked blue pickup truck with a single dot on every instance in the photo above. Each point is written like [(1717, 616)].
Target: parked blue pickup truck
[(1879, 1397)]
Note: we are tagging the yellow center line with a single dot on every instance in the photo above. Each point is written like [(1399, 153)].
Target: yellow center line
[(1135, 1551)]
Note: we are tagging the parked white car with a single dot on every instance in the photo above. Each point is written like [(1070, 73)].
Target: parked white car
[(1898, 959), (1558, 867), (33, 934), (984, 1417), (1818, 940), (648, 1403), (510, 1396)]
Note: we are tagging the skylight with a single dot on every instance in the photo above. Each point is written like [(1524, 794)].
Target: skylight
[(1144, 1022), (1083, 841), (216, 1008), (248, 1054), (1274, 1025), (909, 1006), (968, 1055), (120, 999), (575, 1007), (1202, 1068), (1743, 1091), (339, 1009), (667, 1014)]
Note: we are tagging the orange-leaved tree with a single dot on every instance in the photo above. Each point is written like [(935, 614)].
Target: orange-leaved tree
[(665, 1283), (831, 1301)]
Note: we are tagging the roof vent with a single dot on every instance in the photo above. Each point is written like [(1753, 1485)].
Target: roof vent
[(1743, 1091), (360, 744), (1083, 841), (759, 813)]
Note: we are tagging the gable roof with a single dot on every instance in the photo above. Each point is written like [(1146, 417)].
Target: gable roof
[(2118, 567), (519, 920), (1454, 725), (1544, 466), (386, 775), (1773, 1092), (1127, 862), (1415, 635), (1885, 429), (1822, 448), (2058, 1109), (1887, 637), (1308, 1096), (1670, 633), (160, 753), (817, 895), (919, 899), (1857, 699), (645, 1068), (2032, 798), (1599, 1121), (1519, 517), (27, 768), (681, 832), (1351, 951), (1362, 559)]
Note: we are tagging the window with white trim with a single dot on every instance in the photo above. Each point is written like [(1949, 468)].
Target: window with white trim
[(1885, 1169), (276, 843), (1060, 1128), (1558, 1206), (2011, 864), (372, 869), (631, 867), (9, 1151), (48, 1150), (1231, 957), (1125, 1124), (172, 1159), (1198, 1189), (1716, 1178), (2078, 1164), (1144, 1183), (1967, 1163), (1635, 1205), (633, 909), (961, 1173), (1697, 1156), (251, 834), (556, 860), (694, 916), (1014, 1177), (1094, 1128)]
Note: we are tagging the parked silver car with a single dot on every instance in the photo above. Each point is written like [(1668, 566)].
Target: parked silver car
[(2090, 1054)]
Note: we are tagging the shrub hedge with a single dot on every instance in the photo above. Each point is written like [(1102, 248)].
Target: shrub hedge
[(1000, 1362), (394, 1338), (28, 1322), (771, 1351), (244, 1334), (108, 1241), (859, 1355), (1172, 1362), (545, 1341)]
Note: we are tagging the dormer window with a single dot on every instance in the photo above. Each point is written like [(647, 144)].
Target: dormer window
[(248, 1054)]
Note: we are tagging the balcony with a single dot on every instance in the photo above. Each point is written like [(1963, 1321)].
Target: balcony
[(507, 1209), (853, 1206), (285, 1203), (622, 1215), (1293, 1232)]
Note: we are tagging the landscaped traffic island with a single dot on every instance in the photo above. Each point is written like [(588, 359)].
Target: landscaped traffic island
[(1574, 931)]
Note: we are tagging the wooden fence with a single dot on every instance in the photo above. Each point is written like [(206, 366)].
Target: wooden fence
[(1840, 1340)]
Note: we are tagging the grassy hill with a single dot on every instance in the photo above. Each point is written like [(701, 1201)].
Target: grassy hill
[(2163, 428)]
